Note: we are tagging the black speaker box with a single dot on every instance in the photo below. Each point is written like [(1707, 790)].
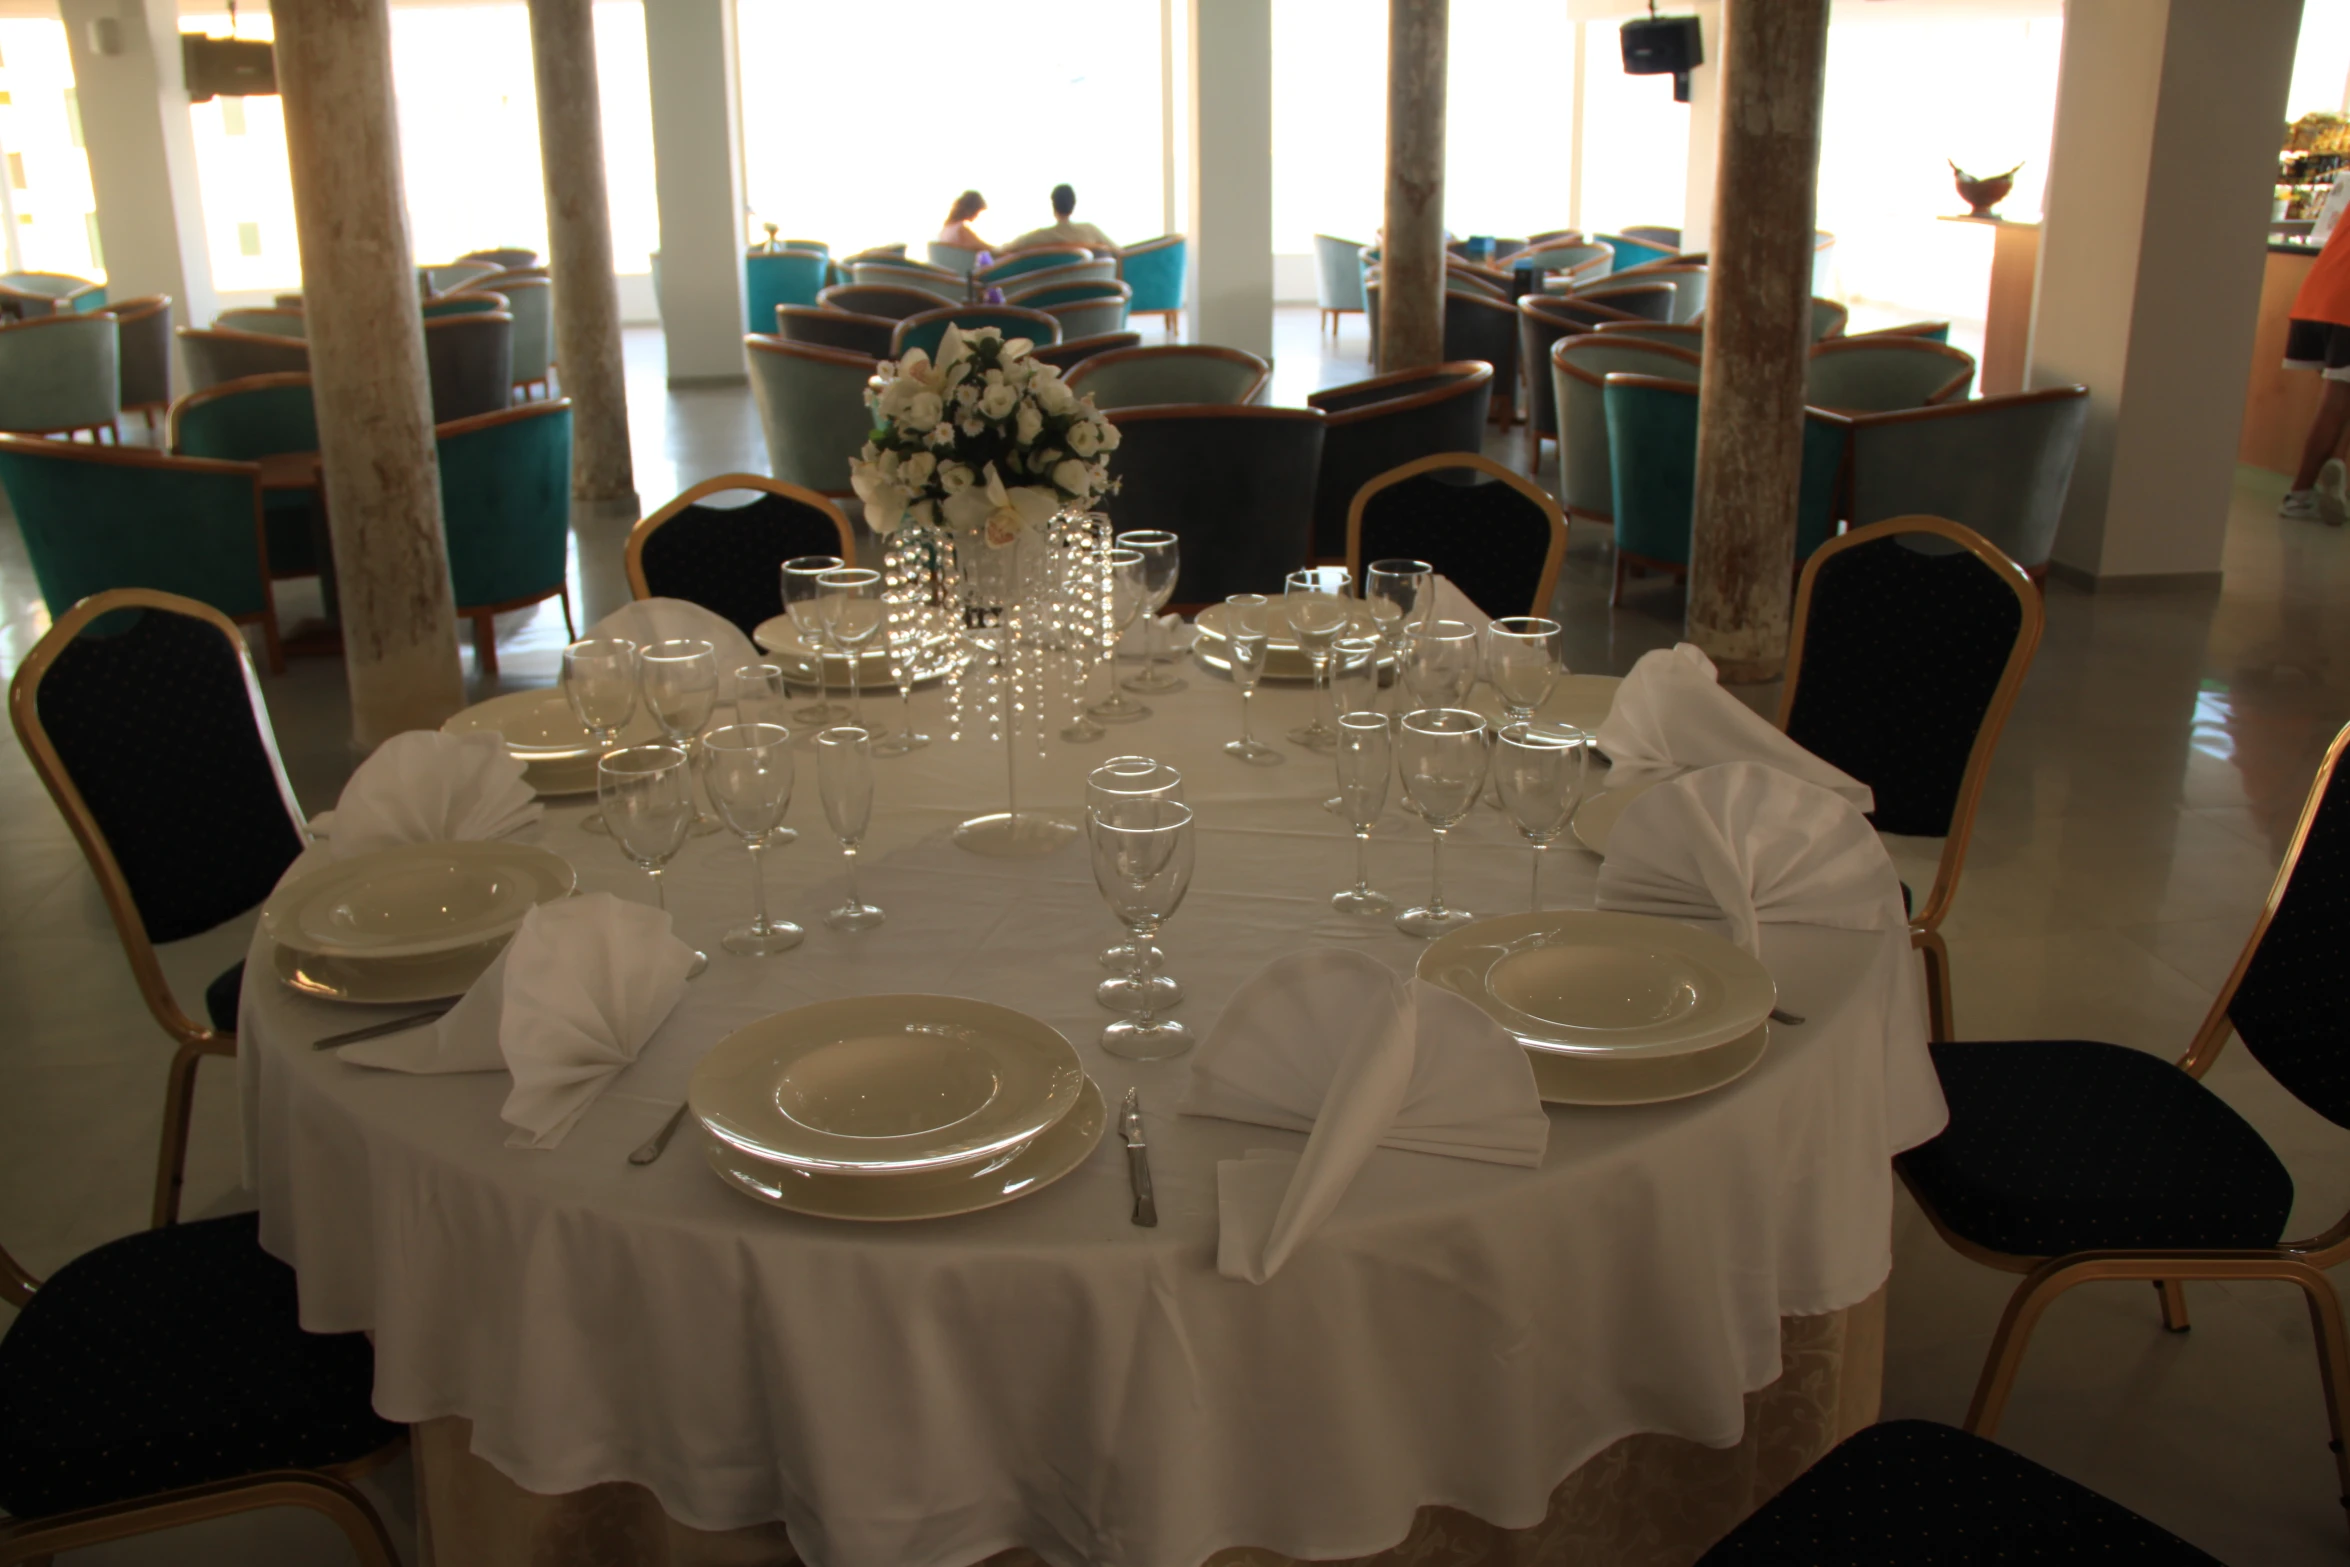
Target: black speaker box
[(1662, 46)]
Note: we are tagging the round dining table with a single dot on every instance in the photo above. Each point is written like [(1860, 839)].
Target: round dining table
[(1611, 1357)]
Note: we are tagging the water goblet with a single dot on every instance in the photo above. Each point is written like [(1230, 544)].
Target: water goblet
[(646, 796), (1248, 634), (1117, 781), (1522, 660), (852, 618), (762, 695), (906, 635), (1398, 593), (1354, 688), (1439, 662), (1162, 563), (748, 768), (1541, 780), (844, 776), (804, 602), (1365, 751), (1319, 608), (599, 681), (1441, 754), (1128, 593), (1142, 856), (679, 679)]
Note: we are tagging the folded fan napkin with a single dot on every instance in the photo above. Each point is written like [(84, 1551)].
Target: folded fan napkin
[(565, 1009), (1332, 1043), (1753, 845), (1671, 714), (428, 787), (647, 621)]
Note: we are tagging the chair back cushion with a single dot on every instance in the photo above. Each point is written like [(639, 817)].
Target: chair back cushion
[(242, 421), (531, 302), (1577, 367), (2288, 1006), (780, 277), (887, 300), (1174, 373), (1236, 485), (470, 362), (216, 356), (812, 409), (2001, 465), (95, 520), (831, 328), (506, 503), (1155, 270), (729, 559), (1488, 536), (924, 331), (1632, 249), (1384, 423), (1652, 464), (1338, 273), (60, 373), (1088, 317), (951, 258), (1880, 374)]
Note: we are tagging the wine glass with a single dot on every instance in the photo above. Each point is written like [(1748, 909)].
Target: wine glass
[(1439, 662), (1522, 659), (1319, 608), (762, 695), (646, 795), (1441, 755), (1162, 563), (1540, 776), (905, 634), (748, 767), (844, 776), (1398, 593), (1354, 688), (679, 679), (852, 618), (1142, 854), (1117, 781), (1248, 633), (599, 681), (1128, 593), (804, 603), (1365, 750)]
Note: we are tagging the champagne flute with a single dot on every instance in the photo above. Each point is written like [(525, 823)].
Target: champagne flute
[(1354, 688), (1162, 564), (1439, 662), (762, 695), (679, 678), (1248, 633), (804, 603), (1318, 607), (1541, 779), (599, 681), (1441, 754), (1522, 659), (1365, 751), (1142, 856), (852, 618), (1117, 781), (844, 776), (748, 767), (906, 635), (1128, 593), (646, 794)]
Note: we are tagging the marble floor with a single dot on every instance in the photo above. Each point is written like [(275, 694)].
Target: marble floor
[(2133, 820)]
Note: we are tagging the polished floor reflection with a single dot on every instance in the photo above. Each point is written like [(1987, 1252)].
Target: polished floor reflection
[(2146, 784)]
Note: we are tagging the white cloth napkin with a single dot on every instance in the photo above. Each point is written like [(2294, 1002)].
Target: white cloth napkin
[(1671, 714), (1173, 636), (1333, 1043), (1749, 843), (565, 1009), (647, 621), (426, 787)]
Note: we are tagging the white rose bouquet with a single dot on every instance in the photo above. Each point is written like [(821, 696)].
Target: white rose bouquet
[(982, 440)]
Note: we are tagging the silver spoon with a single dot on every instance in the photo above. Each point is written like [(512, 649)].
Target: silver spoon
[(659, 1140)]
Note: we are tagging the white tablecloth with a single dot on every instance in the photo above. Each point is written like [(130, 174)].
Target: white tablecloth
[(1045, 1374)]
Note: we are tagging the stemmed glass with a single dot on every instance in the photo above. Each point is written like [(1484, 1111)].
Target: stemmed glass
[(805, 603), (1319, 607), (1354, 688), (844, 775), (1142, 853), (906, 634), (599, 681), (1398, 593), (646, 793), (1441, 755), (1248, 631), (762, 695), (1540, 777), (1439, 662), (748, 767), (679, 678), (1119, 781), (1162, 563), (1365, 750), (852, 618), (1128, 593), (1522, 659)]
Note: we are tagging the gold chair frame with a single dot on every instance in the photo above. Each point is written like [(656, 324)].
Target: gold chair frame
[(633, 554), (1925, 924), (194, 1041), (1544, 584)]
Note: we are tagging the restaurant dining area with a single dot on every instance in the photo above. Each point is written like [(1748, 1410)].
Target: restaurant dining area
[(1415, 783)]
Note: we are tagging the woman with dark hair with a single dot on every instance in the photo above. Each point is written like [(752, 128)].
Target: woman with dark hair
[(958, 231)]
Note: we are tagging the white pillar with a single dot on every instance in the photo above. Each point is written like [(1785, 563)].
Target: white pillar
[(1231, 115), (698, 181), (1705, 131), (2151, 255)]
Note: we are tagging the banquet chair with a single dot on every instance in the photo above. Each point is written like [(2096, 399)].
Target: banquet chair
[(2072, 1161), (1036, 258), (1879, 374), (506, 512), (829, 328), (531, 302), (1235, 483), (1930, 1495), (1688, 336), (1057, 287), (1939, 331), (1999, 465), (1500, 538), (1155, 269), (272, 321), (1170, 373), (811, 410), (1389, 419), (61, 374), (954, 258), (505, 257), (1579, 367), (1633, 248), (245, 421), (126, 676), (887, 300), (925, 330), (1338, 279), (215, 356), (1088, 317), (143, 354), (949, 287), (1827, 319), (26, 295), (729, 559), (1094, 269), (1911, 638), (780, 277), (1070, 352), (469, 361), (1542, 321)]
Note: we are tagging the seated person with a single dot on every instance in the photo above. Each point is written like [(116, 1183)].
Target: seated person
[(1065, 230), (958, 231)]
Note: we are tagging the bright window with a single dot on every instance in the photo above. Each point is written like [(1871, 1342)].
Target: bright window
[(1635, 141), (241, 167), (47, 198)]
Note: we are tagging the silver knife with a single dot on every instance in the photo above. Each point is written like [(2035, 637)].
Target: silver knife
[(378, 1030), (1138, 1159), (653, 1145)]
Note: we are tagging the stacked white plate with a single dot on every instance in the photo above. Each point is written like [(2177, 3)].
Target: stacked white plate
[(557, 753), (895, 1107), (416, 923), (799, 661), (1613, 1009), (1284, 659)]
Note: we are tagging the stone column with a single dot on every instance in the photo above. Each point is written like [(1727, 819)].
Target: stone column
[(579, 243), (1230, 175), (1757, 331), (1411, 248), (697, 179), (383, 490)]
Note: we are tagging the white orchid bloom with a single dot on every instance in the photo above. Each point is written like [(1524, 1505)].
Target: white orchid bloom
[(884, 498), (1073, 477), (999, 512)]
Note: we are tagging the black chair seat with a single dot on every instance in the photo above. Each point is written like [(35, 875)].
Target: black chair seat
[(172, 1358), (2065, 1145), (220, 997), (1912, 1491)]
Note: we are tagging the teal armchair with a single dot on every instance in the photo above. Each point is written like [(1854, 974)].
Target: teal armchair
[(1155, 269), (465, 302), (506, 513), (811, 409), (60, 374), (245, 421), (28, 294), (215, 356), (1880, 374), (97, 518), (1036, 258), (1999, 465), (1170, 373), (1099, 269), (1579, 366), (780, 277), (1091, 317), (1631, 249), (925, 330), (952, 288), (1338, 279)]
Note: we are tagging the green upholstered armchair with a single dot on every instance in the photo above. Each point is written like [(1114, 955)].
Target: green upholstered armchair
[(27, 294), (1632, 248), (124, 517), (469, 360), (1579, 367), (506, 512), (780, 277), (925, 330), (812, 410), (60, 374), (215, 356), (1338, 278), (1880, 374), (244, 421), (1688, 280), (891, 301), (1170, 373), (1088, 317), (1036, 258), (1100, 269), (1155, 270), (950, 287), (1999, 465), (269, 321), (143, 354)]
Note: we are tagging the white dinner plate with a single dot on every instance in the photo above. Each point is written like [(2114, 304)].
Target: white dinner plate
[(436, 976), (939, 1194), (1596, 817), (539, 726), (779, 638), (1645, 1080), (1284, 659), (873, 1086), (1590, 983), (416, 899)]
